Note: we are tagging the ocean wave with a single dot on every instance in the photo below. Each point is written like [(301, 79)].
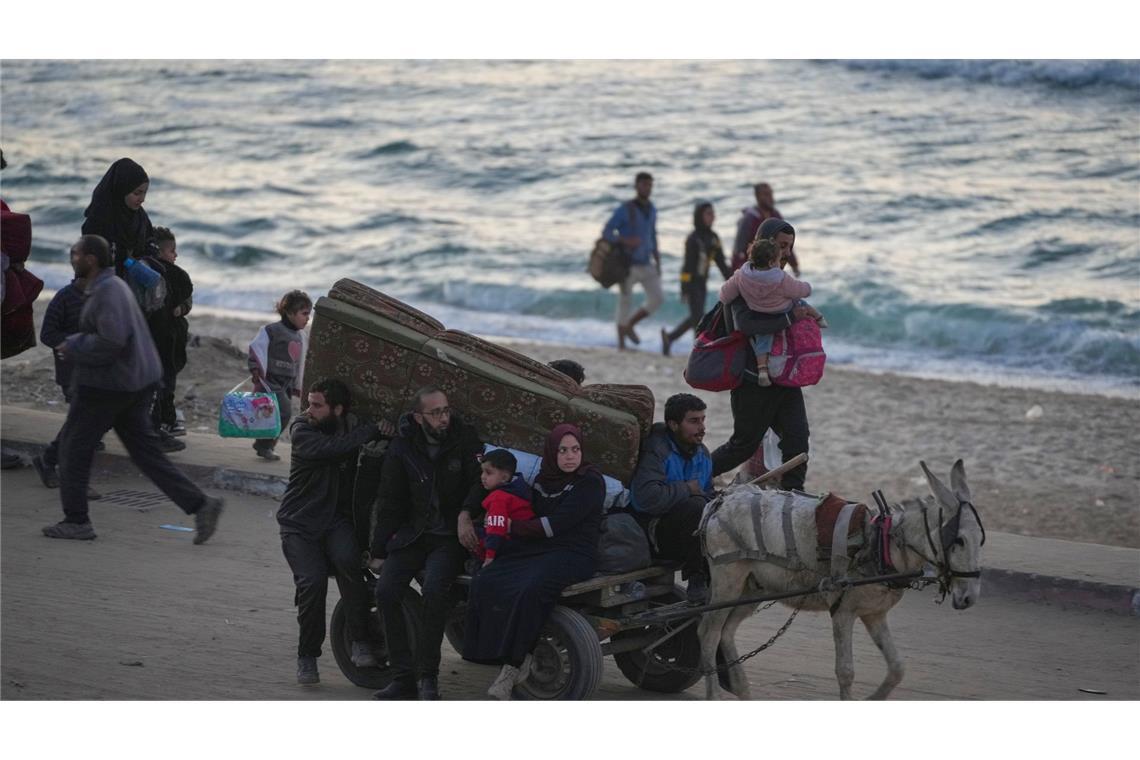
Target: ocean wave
[(394, 148), (238, 255), (1067, 75)]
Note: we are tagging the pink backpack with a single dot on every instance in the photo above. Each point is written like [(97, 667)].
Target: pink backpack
[(797, 356)]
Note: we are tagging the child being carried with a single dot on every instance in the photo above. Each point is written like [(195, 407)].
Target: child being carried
[(769, 290), (509, 499)]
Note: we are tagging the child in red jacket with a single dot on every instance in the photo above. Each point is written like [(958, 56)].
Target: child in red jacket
[(509, 499)]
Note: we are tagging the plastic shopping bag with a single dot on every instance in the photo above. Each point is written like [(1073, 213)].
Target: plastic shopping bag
[(246, 414)]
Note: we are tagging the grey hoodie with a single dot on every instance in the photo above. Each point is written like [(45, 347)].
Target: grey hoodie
[(113, 349)]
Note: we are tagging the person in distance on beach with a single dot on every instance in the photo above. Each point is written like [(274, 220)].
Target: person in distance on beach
[(277, 360), (750, 220), (116, 370), (633, 225), (316, 519), (702, 248)]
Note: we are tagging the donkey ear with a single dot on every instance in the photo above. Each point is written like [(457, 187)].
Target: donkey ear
[(958, 481), (940, 491)]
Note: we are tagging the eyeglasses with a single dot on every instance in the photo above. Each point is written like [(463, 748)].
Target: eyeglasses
[(435, 414)]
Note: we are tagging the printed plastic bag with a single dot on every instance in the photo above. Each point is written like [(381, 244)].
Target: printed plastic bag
[(249, 415)]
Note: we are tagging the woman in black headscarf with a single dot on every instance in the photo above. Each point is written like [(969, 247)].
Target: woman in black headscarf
[(116, 213), (702, 248), (511, 598)]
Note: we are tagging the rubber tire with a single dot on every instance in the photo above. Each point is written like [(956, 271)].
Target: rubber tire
[(371, 678), (683, 650), (569, 637)]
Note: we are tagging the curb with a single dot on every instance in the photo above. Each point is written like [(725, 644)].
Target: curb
[(1013, 584)]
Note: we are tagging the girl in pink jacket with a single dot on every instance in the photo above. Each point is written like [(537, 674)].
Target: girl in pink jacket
[(767, 289)]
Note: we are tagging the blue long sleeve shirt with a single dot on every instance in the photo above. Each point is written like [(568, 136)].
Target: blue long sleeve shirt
[(634, 222)]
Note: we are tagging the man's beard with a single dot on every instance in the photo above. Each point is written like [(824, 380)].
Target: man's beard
[(329, 424), (435, 436)]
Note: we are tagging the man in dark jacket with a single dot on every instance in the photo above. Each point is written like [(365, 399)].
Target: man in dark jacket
[(431, 470), (672, 484), (316, 519), (60, 320), (115, 369)]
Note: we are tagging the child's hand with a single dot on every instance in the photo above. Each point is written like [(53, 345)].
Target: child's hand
[(488, 561)]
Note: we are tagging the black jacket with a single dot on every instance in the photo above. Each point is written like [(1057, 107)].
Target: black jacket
[(410, 477), (319, 463)]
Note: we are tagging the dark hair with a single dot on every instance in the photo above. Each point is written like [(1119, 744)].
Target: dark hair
[(570, 368), (293, 301), (97, 246), (763, 253), (760, 186), (642, 175), (501, 459), (163, 235), (699, 213), (419, 396), (335, 391), (680, 404)]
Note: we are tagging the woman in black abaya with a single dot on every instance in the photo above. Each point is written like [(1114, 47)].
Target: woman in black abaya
[(511, 599), (116, 213)]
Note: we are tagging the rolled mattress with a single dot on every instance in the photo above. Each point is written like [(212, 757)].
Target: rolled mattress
[(385, 350)]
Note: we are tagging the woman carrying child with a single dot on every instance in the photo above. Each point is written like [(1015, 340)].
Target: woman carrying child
[(511, 598), (277, 360)]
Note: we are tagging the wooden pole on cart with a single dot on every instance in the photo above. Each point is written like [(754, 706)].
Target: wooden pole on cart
[(776, 472)]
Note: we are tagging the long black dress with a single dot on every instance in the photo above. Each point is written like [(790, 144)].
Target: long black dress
[(511, 598)]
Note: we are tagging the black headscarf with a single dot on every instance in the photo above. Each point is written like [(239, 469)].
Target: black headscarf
[(551, 477), (703, 231), (107, 215), (770, 228)]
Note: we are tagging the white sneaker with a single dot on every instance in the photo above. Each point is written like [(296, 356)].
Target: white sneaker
[(504, 683)]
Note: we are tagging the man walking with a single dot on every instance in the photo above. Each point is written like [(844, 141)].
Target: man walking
[(634, 226), (750, 220), (672, 484), (115, 371), (316, 519), (431, 469)]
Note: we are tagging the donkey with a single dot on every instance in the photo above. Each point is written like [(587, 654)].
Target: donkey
[(944, 531)]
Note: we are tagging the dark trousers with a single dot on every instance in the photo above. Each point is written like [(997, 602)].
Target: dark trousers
[(311, 560), (756, 408), (675, 539), (285, 406), (92, 413), (164, 412), (696, 296), (441, 558), (51, 451)]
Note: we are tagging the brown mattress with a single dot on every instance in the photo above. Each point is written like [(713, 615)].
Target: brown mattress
[(385, 350)]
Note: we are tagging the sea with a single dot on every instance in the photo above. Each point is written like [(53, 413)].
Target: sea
[(969, 220)]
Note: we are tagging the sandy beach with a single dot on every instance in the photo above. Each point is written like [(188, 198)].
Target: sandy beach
[(1070, 473)]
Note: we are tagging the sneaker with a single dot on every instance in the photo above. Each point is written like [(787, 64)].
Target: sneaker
[(77, 531), (48, 473), (206, 519), (362, 656), (428, 689), (400, 688), (177, 429), (268, 455), (762, 377), (698, 590), (504, 683), (307, 671), (9, 461), (93, 495), (168, 444)]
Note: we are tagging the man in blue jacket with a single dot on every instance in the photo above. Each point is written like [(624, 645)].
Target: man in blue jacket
[(672, 484), (115, 369), (633, 226)]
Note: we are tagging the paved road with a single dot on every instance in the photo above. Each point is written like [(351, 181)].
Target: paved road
[(216, 622)]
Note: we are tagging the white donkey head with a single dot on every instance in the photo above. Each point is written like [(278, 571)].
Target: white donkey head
[(957, 537)]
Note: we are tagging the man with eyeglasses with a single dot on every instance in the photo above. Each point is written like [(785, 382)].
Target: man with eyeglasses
[(431, 469)]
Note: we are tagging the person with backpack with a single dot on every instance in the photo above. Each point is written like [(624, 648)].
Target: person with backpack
[(750, 220), (702, 248), (633, 226)]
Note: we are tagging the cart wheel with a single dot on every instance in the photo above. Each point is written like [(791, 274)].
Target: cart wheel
[(566, 661), (341, 642), (671, 666)]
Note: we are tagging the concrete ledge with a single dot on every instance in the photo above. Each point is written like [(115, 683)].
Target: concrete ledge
[(1066, 573)]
